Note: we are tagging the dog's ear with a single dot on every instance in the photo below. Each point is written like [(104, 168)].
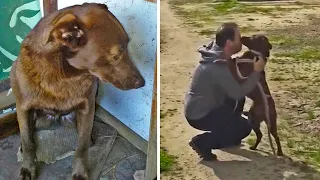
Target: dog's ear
[(67, 31), (268, 54), (270, 46), (104, 6)]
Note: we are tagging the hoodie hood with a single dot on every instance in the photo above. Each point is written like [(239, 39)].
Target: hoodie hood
[(210, 52)]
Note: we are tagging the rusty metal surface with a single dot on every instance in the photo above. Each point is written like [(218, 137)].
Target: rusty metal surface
[(151, 171), (153, 1), (154, 99)]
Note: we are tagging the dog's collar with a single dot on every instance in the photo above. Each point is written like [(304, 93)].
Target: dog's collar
[(256, 52)]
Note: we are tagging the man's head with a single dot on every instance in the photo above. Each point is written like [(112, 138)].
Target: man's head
[(228, 37)]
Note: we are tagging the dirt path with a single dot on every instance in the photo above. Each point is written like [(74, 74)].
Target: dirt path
[(178, 60)]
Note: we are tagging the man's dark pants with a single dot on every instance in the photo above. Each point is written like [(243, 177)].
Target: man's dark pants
[(226, 127)]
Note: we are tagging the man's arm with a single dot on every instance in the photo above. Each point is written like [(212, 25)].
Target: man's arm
[(231, 86)]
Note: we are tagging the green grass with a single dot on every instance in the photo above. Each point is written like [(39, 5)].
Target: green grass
[(299, 3), (256, 9), (277, 78), (299, 144), (162, 115), (291, 44), (200, 16), (245, 29), (183, 2), (290, 143), (318, 103), (211, 32), (166, 161), (207, 32), (283, 40), (169, 112), (234, 7), (310, 115), (225, 6), (251, 141), (195, 24), (311, 155), (305, 53)]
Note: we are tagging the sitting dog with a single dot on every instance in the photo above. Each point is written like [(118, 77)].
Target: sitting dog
[(262, 108), (56, 76)]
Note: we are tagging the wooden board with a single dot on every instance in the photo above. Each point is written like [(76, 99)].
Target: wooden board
[(6, 101), (122, 129), (151, 169), (8, 124)]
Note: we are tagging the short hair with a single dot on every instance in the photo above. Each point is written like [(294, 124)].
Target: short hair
[(225, 32)]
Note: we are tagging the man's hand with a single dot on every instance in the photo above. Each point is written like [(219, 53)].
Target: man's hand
[(259, 65)]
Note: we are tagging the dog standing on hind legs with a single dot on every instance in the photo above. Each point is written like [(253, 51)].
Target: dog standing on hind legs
[(56, 75), (262, 106)]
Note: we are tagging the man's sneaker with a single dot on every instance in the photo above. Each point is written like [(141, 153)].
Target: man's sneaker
[(204, 154)]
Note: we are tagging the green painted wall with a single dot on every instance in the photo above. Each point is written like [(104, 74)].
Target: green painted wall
[(17, 18)]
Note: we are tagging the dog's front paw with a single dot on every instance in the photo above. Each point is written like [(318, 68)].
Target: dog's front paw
[(253, 148), (27, 173), (79, 171), (80, 177)]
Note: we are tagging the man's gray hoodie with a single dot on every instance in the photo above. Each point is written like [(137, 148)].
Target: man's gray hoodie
[(212, 82)]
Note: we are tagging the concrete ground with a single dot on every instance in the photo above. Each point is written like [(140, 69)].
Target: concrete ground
[(121, 162)]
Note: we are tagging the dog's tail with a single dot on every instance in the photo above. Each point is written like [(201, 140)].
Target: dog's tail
[(8, 124)]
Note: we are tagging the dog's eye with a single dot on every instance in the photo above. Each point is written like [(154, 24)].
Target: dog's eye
[(116, 57), (121, 49)]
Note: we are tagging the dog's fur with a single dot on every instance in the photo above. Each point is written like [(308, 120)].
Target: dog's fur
[(257, 112), (55, 76)]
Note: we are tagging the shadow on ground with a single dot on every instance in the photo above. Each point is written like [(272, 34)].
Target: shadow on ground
[(258, 165)]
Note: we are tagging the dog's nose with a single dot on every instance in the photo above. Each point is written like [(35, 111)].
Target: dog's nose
[(140, 82)]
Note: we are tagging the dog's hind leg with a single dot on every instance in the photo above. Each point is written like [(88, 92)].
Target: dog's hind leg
[(275, 135), (273, 131), (27, 125), (256, 128)]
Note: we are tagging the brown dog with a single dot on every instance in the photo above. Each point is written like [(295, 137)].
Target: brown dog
[(257, 112), (56, 74)]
